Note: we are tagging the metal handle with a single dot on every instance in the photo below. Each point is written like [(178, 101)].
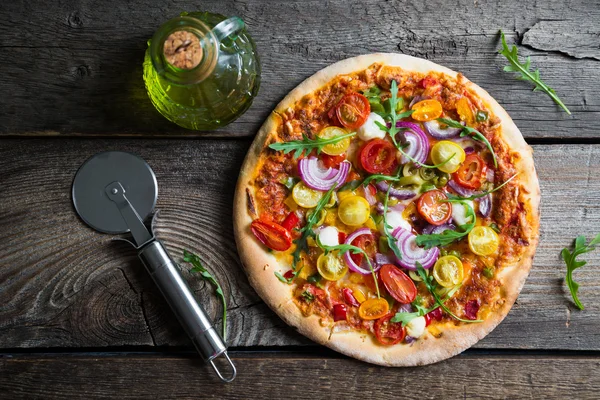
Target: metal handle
[(191, 315)]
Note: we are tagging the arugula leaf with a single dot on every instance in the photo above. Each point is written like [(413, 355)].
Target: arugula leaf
[(307, 145), (471, 132), (307, 230), (352, 185), (344, 248), (454, 198), (198, 267), (448, 236), (573, 264), (526, 74), (428, 280), (308, 297)]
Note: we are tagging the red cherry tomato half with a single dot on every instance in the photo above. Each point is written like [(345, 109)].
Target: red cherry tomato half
[(367, 243), (290, 221), (433, 209), (332, 161), (272, 235), (472, 172), (353, 110), (387, 332), (342, 237), (398, 284), (339, 312), (289, 274), (349, 297), (377, 156)]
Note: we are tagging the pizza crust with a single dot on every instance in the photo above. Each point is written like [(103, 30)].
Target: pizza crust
[(260, 265)]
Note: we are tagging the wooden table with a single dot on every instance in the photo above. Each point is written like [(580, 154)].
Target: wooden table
[(79, 317)]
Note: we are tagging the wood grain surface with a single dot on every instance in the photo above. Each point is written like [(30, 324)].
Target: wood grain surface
[(75, 68), (272, 376), (64, 285)]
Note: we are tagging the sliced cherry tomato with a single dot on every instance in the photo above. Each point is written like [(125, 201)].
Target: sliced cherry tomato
[(435, 315), (353, 110), (398, 284), (349, 297), (272, 235), (387, 332), (377, 156), (354, 210), (463, 108), (290, 221), (340, 312), (305, 196), (449, 153), (332, 114), (337, 148), (368, 244), (331, 266), (373, 308), (483, 241), (427, 110), (332, 161), (433, 209), (342, 237), (471, 174), (448, 271)]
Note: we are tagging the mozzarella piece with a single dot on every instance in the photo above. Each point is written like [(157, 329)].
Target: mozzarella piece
[(329, 236), (369, 130), (394, 219), (416, 327), (459, 212)]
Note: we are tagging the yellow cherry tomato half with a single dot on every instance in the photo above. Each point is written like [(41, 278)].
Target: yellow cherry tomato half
[(331, 266), (305, 196), (373, 308), (427, 110), (334, 149), (445, 149), (448, 271), (463, 108), (483, 241), (354, 210)]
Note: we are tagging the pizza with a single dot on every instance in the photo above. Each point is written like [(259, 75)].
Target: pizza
[(388, 209)]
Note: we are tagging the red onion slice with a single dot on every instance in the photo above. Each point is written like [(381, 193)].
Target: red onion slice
[(434, 129), (382, 259), (460, 190), (490, 175), (411, 253), (364, 267), (418, 144), (415, 100), (318, 178), (485, 205), (437, 229), (400, 194)]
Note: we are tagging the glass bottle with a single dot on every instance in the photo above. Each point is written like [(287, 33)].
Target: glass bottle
[(201, 70)]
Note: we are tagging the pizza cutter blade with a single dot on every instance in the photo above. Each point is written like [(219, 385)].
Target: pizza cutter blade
[(115, 192)]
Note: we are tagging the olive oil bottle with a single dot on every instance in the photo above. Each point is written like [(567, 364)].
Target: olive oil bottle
[(201, 70)]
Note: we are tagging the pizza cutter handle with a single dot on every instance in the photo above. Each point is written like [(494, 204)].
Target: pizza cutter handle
[(191, 315)]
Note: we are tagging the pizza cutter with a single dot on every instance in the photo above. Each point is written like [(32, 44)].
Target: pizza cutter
[(114, 192)]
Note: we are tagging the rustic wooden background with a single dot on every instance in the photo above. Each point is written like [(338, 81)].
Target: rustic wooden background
[(80, 318)]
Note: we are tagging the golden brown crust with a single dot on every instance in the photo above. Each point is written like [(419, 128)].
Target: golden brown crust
[(260, 265)]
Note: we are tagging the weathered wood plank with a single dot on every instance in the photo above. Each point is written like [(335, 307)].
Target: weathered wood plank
[(306, 376), (75, 67), (64, 285)]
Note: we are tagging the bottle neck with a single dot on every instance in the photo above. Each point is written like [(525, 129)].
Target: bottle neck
[(184, 51)]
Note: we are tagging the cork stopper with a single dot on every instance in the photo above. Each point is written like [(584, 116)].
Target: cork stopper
[(182, 49)]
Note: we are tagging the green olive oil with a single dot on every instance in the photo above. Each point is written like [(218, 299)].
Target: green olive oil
[(201, 70)]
